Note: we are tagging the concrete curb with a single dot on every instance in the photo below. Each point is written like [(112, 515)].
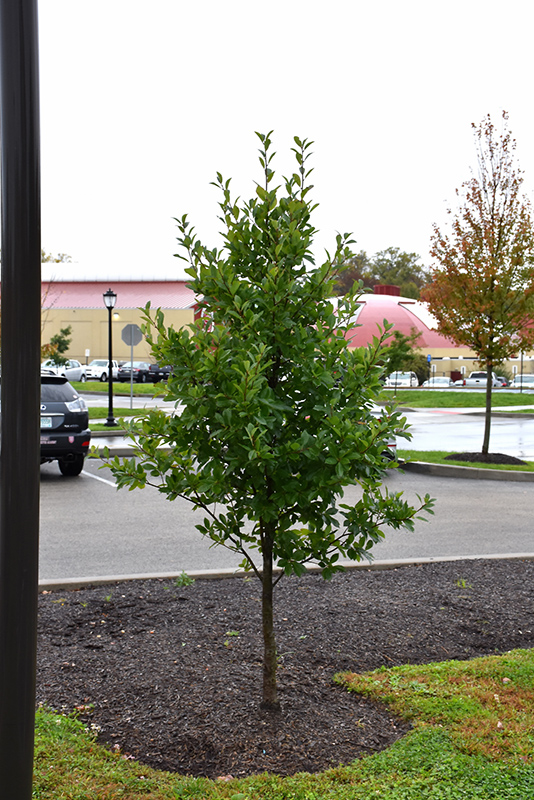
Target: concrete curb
[(471, 473), (507, 414), (218, 574)]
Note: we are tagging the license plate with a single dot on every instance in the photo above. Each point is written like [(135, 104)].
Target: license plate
[(46, 422)]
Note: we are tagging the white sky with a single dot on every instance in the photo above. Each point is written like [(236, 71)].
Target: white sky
[(143, 102)]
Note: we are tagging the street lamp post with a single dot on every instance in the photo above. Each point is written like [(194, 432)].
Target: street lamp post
[(110, 299)]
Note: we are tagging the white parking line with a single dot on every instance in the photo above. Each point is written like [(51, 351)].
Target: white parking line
[(98, 478)]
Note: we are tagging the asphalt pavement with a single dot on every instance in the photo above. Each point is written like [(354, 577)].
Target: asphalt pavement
[(91, 532)]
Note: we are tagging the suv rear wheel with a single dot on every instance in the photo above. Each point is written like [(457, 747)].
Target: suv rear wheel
[(70, 468)]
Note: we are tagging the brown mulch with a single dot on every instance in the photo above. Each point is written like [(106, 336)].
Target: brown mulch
[(486, 458), (172, 675)]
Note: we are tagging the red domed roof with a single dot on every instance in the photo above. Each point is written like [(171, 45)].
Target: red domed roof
[(403, 312)]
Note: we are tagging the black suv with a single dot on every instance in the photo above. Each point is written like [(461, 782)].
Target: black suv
[(157, 373), (65, 434)]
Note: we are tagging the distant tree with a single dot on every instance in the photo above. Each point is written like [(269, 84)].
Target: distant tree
[(57, 346), (48, 298), (48, 350), (402, 355), (391, 266), (394, 266), (482, 289), (276, 418), (356, 270), (56, 259)]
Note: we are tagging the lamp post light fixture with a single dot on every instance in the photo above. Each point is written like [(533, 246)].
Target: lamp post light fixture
[(110, 298)]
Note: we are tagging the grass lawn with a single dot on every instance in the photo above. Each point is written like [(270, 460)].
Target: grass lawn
[(450, 398), (438, 457), (139, 389), (415, 398), (472, 737), (118, 413)]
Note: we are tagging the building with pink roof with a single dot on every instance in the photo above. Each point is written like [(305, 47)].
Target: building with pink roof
[(76, 301)]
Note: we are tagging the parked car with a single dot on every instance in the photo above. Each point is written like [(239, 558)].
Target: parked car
[(523, 381), (478, 379), (402, 379), (72, 370), (158, 373), (439, 381), (138, 371), (65, 434), (98, 370), (503, 381)]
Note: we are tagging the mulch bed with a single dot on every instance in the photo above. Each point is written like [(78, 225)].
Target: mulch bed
[(172, 675), (486, 458)]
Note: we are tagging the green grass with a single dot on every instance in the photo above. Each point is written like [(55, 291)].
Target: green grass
[(101, 413), (438, 457), (118, 413), (416, 398), (472, 737), (120, 389), (449, 398)]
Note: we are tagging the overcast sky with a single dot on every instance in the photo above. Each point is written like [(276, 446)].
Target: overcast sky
[(143, 102)]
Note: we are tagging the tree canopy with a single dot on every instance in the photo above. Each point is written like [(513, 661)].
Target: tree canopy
[(482, 288), (392, 266), (276, 411), (402, 353), (58, 345)]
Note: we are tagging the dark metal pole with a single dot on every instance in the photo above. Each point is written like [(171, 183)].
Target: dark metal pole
[(111, 419), (20, 392), (110, 298)]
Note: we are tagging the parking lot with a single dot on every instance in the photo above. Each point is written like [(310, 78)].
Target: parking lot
[(88, 528)]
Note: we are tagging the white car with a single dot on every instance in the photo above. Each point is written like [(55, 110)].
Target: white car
[(98, 370), (402, 379), (523, 381), (438, 381), (72, 370), (479, 378)]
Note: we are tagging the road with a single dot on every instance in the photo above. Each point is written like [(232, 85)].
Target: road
[(88, 528)]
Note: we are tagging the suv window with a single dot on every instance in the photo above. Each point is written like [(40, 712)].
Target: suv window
[(56, 392)]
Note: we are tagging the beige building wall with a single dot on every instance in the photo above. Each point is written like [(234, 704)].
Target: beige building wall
[(447, 364), (90, 331)]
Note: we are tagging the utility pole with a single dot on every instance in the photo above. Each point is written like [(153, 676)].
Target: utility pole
[(20, 392)]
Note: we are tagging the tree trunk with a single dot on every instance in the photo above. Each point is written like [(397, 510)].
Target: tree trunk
[(487, 425), (270, 700)]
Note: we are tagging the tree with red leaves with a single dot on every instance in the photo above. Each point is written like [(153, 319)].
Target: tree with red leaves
[(482, 288)]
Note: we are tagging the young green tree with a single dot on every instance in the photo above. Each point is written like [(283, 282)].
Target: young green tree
[(482, 289), (401, 353), (58, 345), (276, 417)]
